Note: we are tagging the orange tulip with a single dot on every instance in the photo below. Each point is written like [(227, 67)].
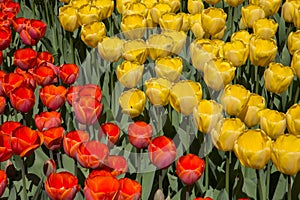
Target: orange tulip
[(53, 137), (129, 189), (110, 130), (22, 99), (139, 134), (72, 140), (47, 120), (3, 181), (53, 97)]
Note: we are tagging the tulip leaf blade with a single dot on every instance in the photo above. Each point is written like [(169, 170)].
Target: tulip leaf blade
[(147, 183), (285, 56), (280, 187), (12, 193), (295, 188)]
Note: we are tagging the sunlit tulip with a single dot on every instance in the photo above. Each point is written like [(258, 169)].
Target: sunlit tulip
[(129, 74), (288, 10), (253, 149), (295, 64), (72, 140), (46, 120), (195, 25), (293, 41), (33, 32), (234, 3), (110, 49), (87, 14), (5, 147), (53, 97), (241, 35), (68, 18), (278, 77), (135, 51), (120, 4), (293, 119), (129, 189), (179, 39), (265, 28), (139, 134), (133, 26), (68, 73), (159, 46), (93, 33), (44, 56), (116, 165), (25, 58), (158, 91), (170, 21), (207, 114), (132, 102), (169, 68), (195, 6), (213, 20), (158, 10), (5, 37), (106, 8), (3, 182), (12, 81), (270, 7), (251, 13), (185, 95), (135, 9), (22, 99), (234, 98), (9, 126), (53, 137), (236, 52), (185, 21), (109, 130), (79, 3)]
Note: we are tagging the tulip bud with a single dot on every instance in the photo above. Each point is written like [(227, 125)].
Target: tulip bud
[(158, 91), (133, 26), (294, 41), (288, 10), (213, 20), (170, 21), (265, 28), (295, 64), (132, 102), (251, 13), (110, 49), (88, 14), (68, 73), (53, 97), (159, 195), (139, 134), (179, 39), (270, 7), (25, 58), (158, 10), (159, 46), (195, 6), (195, 25), (106, 8), (236, 52), (129, 73), (53, 137), (185, 21), (22, 99), (135, 9), (68, 18), (93, 33), (293, 119), (169, 68)]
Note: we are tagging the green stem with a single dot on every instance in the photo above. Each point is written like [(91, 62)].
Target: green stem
[(51, 154), (297, 93), (59, 160), (268, 178), (160, 179), (228, 155), (71, 40), (260, 192), (75, 168), (139, 162), (256, 79), (206, 173), (231, 19), (272, 95), (24, 179), (288, 177), (187, 192)]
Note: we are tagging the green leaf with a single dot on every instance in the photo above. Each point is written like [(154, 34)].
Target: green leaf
[(12, 194), (280, 188), (250, 182), (285, 56), (147, 183)]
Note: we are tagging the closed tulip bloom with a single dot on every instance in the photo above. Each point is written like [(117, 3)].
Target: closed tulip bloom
[(149, 3), (22, 99), (133, 26), (158, 10), (286, 154), (48, 119), (45, 74), (116, 165), (109, 130), (195, 6), (120, 4), (93, 33), (68, 18), (185, 21), (5, 147), (270, 7), (61, 185), (288, 10), (179, 39), (185, 95), (72, 140), (236, 52), (139, 134), (295, 64), (3, 181), (53, 97), (189, 168), (12, 81), (251, 13), (171, 21), (213, 20), (110, 49), (87, 14), (234, 3), (79, 3), (5, 37), (129, 74), (162, 152), (241, 35), (135, 51), (9, 126), (272, 122), (44, 56), (135, 8), (158, 91), (53, 137), (249, 114), (25, 58), (159, 46), (68, 73), (218, 73), (169, 68), (34, 31), (174, 4), (265, 28), (278, 78), (294, 41), (255, 154), (207, 114), (88, 90), (262, 51), (106, 8), (132, 102), (293, 119), (234, 98), (129, 189)]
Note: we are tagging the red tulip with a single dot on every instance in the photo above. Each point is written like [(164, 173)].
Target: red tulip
[(49, 167), (45, 74), (2, 74), (190, 168), (73, 92), (25, 58), (11, 81), (61, 185), (68, 73), (139, 134), (28, 78), (33, 32), (162, 152), (1, 57), (111, 130), (5, 37), (53, 137), (5, 147), (10, 6), (92, 154), (20, 23), (53, 97), (3, 181), (2, 104), (47, 120), (100, 172), (9, 126), (89, 90), (101, 187), (116, 165), (129, 189), (44, 56), (25, 140), (72, 140), (5, 19), (22, 99)]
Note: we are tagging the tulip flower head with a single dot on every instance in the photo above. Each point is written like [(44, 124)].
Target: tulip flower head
[(293, 119), (139, 134), (169, 68), (110, 130), (72, 140), (130, 73), (3, 181), (129, 189), (158, 91), (132, 102)]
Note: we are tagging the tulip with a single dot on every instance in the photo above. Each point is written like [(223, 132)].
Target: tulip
[(295, 64), (195, 6), (149, 3), (158, 10), (68, 18), (79, 3), (185, 21), (189, 168), (88, 90), (108, 190), (129, 189), (116, 165), (5, 147), (44, 56), (170, 21), (179, 39), (133, 26), (72, 140), (45, 74), (12, 81), (87, 14), (174, 4), (129, 74), (251, 13), (46, 120), (93, 33), (3, 181), (98, 172), (185, 95), (106, 8), (132, 102), (162, 152), (20, 23), (135, 51), (68, 73), (213, 20), (212, 2), (53, 97), (28, 78), (49, 167), (111, 130), (249, 114), (158, 91), (207, 114), (278, 77), (25, 58), (234, 98), (135, 9), (241, 35), (270, 7), (22, 99), (61, 185), (9, 126), (110, 49), (53, 138), (5, 38), (293, 42), (218, 73), (159, 46), (288, 10), (139, 134), (120, 4), (2, 104), (29, 140), (33, 32), (265, 28), (169, 68), (286, 154), (236, 52), (262, 51), (293, 119), (234, 3)]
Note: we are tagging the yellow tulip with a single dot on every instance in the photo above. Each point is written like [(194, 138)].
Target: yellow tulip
[(270, 7), (179, 39), (135, 51), (293, 119), (286, 154), (88, 14), (241, 35), (135, 8), (195, 25), (218, 44), (171, 21), (278, 77), (133, 26), (253, 148), (236, 52), (234, 3), (120, 4), (130, 73), (195, 6), (272, 122), (218, 73), (213, 20), (226, 132), (207, 114), (68, 18), (185, 95), (158, 10), (185, 21), (234, 98), (174, 4), (149, 3), (294, 41), (262, 51), (159, 46), (169, 68), (251, 13), (149, 22), (110, 49), (219, 35), (212, 2), (296, 19), (249, 114), (295, 64), (106, 8), (288, 10), (93, 33), (158, 91), (265, 28), (132, 102), (78, 3)]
